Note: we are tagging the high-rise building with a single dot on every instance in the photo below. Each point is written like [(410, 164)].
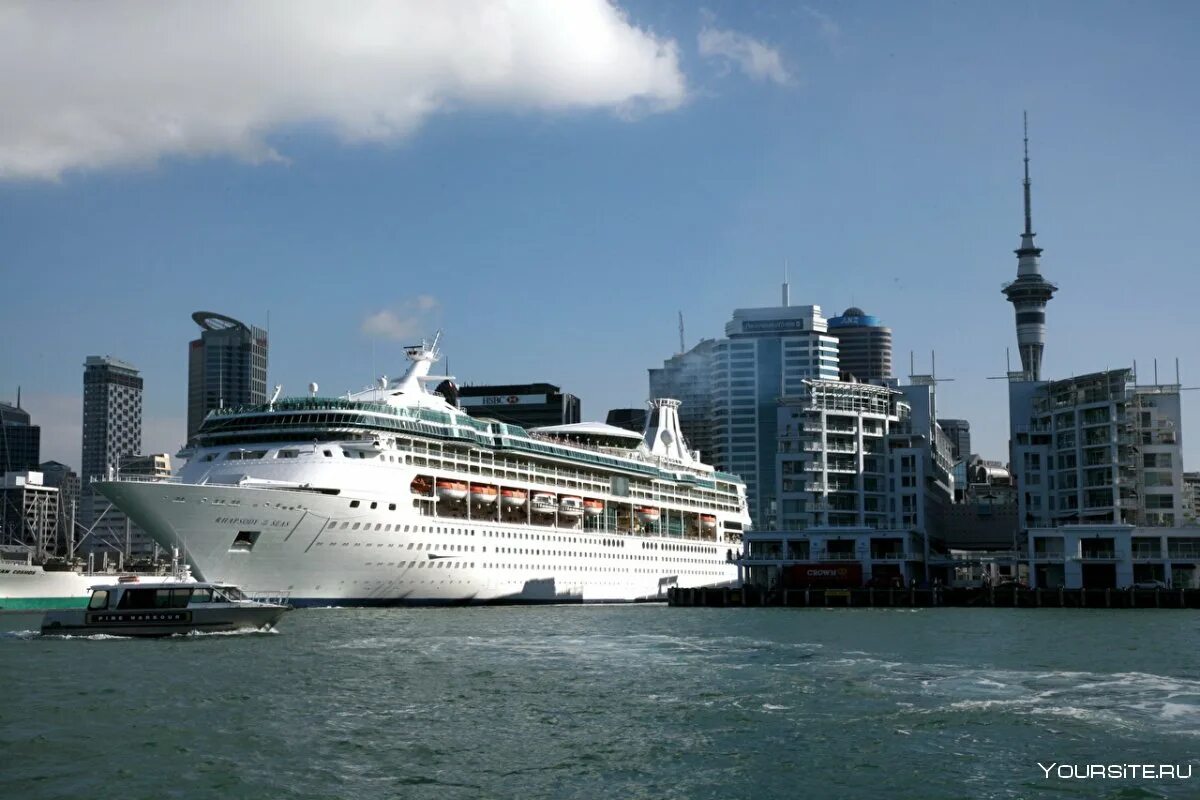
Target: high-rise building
[(688, 378), (864, 346), (530, 405), (112, 414), (112, 432), (1095, 449), (768, 353), (631, 419), (20, 441), (959, 433), (1030, 292), (227, 366)]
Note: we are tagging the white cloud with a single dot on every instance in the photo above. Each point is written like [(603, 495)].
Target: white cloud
[(827, 26), (409, 321), (91, 85), (758, 60)]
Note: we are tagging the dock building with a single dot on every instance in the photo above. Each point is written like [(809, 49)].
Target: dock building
[(29, 513)]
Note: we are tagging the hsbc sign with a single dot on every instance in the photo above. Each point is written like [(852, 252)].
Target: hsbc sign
[(502, 400)]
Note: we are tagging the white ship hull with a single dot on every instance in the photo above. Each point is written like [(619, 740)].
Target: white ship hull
[(319, 550)]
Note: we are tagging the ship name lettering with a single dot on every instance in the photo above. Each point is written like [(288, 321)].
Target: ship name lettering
[(236, 521)]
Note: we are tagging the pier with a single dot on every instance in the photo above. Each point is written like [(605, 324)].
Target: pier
[(941, 596)]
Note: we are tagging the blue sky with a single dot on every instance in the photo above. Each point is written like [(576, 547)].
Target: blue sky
[(554, 220)]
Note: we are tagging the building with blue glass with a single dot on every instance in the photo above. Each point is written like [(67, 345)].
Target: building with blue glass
[(767, 354)]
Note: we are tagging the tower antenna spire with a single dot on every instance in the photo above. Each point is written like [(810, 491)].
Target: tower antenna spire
[(1028, 203)]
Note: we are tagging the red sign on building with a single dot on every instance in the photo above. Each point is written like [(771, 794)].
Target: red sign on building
[(820, 576)]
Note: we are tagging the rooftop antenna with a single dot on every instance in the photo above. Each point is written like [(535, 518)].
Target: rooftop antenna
[(19, 396), (682, 347), (786, 291)]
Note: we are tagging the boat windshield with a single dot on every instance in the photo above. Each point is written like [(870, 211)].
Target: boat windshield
[(229, 594), (99, 599)]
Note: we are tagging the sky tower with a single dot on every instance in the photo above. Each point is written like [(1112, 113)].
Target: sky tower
[(1030, 292)]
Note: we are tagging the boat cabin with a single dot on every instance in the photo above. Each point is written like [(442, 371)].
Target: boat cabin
[(144, 596)]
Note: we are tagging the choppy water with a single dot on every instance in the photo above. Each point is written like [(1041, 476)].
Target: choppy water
[(622, 702)]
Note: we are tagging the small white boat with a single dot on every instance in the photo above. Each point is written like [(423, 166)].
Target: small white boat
[(570, 506), (593, 508), (544, 503), (161, 608)]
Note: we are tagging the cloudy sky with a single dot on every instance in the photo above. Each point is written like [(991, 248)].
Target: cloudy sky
[(550, 183)]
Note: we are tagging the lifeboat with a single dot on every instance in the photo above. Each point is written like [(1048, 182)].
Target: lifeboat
[(483, 494), (708, 522), (647, 515), (544, 503), (422, 485), (593, 508), (451, 490), (513, 498), (570, 506)]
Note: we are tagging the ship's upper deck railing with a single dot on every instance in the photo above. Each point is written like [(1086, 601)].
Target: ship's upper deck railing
[(427, 421)]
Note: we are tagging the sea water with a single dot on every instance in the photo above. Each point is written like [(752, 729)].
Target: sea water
[(613, 701)]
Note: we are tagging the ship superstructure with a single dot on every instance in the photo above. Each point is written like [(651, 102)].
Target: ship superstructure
[(394, 495)]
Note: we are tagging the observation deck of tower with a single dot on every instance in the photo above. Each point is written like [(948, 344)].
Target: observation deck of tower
[(1030, 292)]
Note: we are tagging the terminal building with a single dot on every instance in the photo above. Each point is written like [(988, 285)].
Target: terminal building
[(530, 405)]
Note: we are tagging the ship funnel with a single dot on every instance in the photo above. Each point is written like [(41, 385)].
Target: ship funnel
[(663, 435)]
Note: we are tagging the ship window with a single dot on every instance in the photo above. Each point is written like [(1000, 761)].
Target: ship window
[(391, 506), (374, 505), (201, 596), (378, 526), (354, 504), (328, 454), (288, 454), (346, 453), (332, 523), (99, 599), (356, 526)]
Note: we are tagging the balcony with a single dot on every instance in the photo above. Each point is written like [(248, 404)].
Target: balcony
[(1098, 555), (825, 555), (897, 556), (841, 447), (1189, 552), (1049, 555), (1147, 554), (816, 486)]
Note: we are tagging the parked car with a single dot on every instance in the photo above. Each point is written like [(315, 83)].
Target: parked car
[(1153, 584)]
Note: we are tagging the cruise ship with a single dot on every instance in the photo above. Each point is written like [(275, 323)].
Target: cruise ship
[(395, 496)]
